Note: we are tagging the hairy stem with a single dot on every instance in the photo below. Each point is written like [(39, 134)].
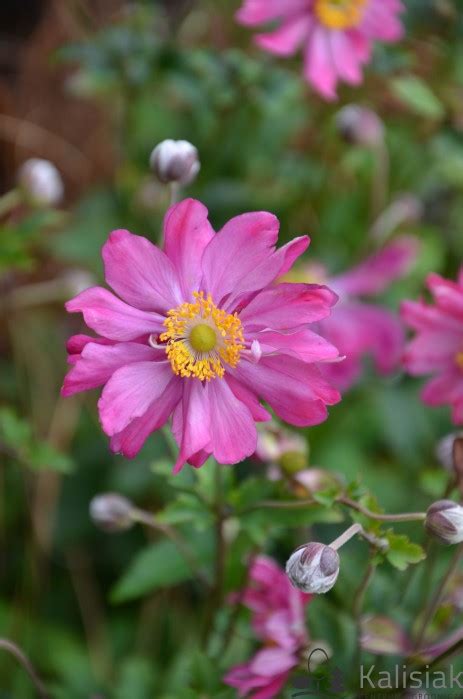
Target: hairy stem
[(23, 660)]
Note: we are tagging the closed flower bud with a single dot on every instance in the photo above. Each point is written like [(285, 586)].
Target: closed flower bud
[(175, 161), (444, 450), (444, 520), (112, 512), (313, 568), (40, 182), (360, 125)]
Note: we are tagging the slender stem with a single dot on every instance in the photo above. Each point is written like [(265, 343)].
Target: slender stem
[(346, 536), (175, 192), (342, 500), (22, 658), (172, 534), (217, 591), (399, 517), (437, 597), (357, 605)]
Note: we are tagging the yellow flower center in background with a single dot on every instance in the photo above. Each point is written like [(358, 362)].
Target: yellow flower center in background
[(459, 359), (340, 14), (201, 338)]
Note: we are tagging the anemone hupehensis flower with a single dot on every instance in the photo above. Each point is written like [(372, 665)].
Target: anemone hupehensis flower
[(358, 327), (201, 333), (337, 35), (278, 619), (437, 347)]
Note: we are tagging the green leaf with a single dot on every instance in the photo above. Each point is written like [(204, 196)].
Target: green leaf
[(417, 96), (402, 552), (162, 565)]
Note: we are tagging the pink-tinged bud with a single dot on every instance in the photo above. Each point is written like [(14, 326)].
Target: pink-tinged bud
[(444, 520), (313, 568), (175, 161), (112, 512), (360, 125), (40, 182)]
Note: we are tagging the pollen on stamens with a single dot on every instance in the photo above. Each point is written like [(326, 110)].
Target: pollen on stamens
[(459, 359), (186, 323)]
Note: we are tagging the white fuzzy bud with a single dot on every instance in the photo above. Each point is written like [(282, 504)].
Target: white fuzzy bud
[(313, 568), (112, 512), (41, 182), (175, 161), (444, 520)]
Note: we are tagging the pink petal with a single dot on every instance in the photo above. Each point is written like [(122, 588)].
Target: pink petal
[(237, 259), (445, 388), (285, 40), (296, 391), (233, 431), (140, 272), (429, 352), (191, 422), (447, 294), (270, 662), (254, 12), (375, 274), (112, 318), (345, 58), (319, 68), (130, 392), (419, 316), (381, 22), (291, 251), (98, 362), (131, 439), (246, 396), (272, 689), (76, 343), (187, 233), (288, 306), (302, 344)]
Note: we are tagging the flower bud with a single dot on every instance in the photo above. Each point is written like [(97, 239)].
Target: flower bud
[(445, 450), (360, 125), (444, 520), (112, 512), (175, 161), (313, 568), (40, 182)]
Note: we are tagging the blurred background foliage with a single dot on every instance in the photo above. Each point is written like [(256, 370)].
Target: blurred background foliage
[(123, 616)]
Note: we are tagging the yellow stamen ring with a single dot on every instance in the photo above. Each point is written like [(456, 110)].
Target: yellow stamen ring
[(201, 338), (340, 14), (459, 359)]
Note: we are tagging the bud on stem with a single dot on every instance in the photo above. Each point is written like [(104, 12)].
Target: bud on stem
[(444, 521)]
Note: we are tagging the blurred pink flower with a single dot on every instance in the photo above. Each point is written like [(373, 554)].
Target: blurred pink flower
[(201, 334), (438, 345), (278, 619), (336, 35), (358, 328)]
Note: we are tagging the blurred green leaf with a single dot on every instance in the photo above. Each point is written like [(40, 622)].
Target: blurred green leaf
[(414, 93), (402, 552)]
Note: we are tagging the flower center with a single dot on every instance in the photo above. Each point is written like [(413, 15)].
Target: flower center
[(340, 14), (459, 359), (201, 338)]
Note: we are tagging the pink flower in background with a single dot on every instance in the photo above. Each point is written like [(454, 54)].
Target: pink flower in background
[(336, 35), (278, 619), (358, 328), (201, 333), (438, 345)]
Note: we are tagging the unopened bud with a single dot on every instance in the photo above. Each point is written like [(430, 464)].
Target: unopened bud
[(293, 461), (360, 125), (175, 161), (40, 182), (445, 449), (313, 568), (444, 520), (112, 512)]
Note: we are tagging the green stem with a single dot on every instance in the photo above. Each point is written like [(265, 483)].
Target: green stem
[(22, 658)]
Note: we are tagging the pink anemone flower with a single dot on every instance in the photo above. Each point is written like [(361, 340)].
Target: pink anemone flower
[(199, 332), (358, 328), (337, 35), (278, 619), (437, 347)]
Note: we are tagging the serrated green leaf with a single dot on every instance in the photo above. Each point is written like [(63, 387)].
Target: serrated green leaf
[(403, 552)]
